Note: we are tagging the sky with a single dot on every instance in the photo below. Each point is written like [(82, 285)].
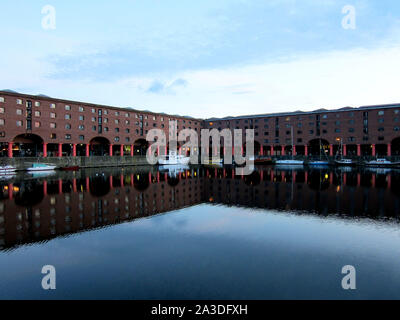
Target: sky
[(204, 58)]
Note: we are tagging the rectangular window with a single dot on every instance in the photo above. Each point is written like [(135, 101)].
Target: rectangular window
[(53, 125), (105, 112), (93, 119), (68, 136), (81, 127), (67, 107), (116, 121), (116, 113), (68, 126), (19, 123), (2, 99), (381, 113), (67, 117), (2, 122), (37, 104), (81, 118), (93, 110), (19, 101), (81, 137), (2, 110), (37, 124), (19, 112), (37, 113), (53, 136), (81, 109), (52, 105)]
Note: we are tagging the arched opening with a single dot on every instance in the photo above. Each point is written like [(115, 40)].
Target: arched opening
[(99, 146), (140, 147), (396, 147), (81, 150), (366, 150), (317, 147), (300, 150), (381, 150), (351, 149), (27, 145), (267, 150), (257, 148)]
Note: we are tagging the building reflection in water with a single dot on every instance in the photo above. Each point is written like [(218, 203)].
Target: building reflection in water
[(38, 208)]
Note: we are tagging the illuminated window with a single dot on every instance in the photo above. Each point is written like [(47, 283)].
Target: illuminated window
[(37, 124), (52, 115), (19, 123), (37, 104)]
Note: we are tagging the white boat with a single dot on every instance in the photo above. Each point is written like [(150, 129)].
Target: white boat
[(7, 169), (213, 161), (381, 162), (345, 162), (41, 167), (290, 162), (173, 159)]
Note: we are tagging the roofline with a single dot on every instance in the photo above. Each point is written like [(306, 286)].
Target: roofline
[(298, 113)]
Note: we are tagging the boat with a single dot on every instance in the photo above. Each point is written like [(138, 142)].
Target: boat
[(381, 162), (320, 162), (263, 161), (41, 167), (292, 161), (173, 159), (213, 162), (69, 168), (343, 161), (7, 169)]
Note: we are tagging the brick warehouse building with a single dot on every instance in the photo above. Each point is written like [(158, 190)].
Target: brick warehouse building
[(363, 131), (42, 126)]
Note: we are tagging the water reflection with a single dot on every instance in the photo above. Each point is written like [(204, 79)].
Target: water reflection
[(39, 208)]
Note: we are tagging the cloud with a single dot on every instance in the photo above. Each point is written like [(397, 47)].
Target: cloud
[(160, 87)]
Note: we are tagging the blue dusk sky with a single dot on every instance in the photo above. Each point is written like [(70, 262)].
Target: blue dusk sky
[(204, 58)]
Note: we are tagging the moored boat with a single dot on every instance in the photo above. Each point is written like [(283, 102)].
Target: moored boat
[(345, 162), (173, 159), (290, 162), (70, 168), (381, 162), (263, 161), (41, 167)]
